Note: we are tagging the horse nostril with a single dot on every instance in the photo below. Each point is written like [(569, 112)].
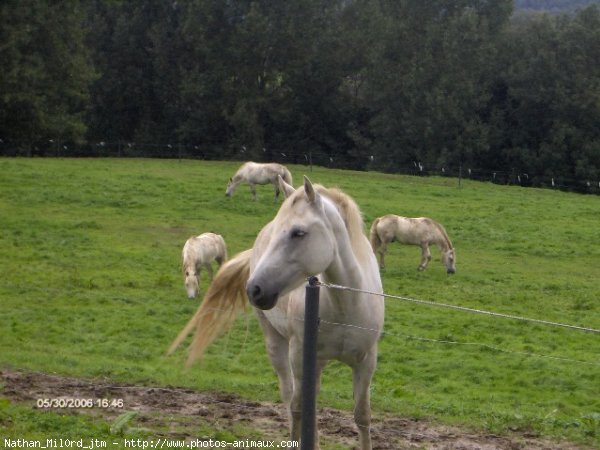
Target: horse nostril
[(254, 292)]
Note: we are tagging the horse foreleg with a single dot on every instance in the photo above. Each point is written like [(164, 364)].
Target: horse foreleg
[(361, 380), (381, 251), (209, 269), (278, 352), (253, 190), (425, 256), (198, 271), (296, 401)]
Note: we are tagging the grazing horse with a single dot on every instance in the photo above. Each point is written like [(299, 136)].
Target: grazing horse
[(317, 231), (201, 251), (256, 173), (421, 231)]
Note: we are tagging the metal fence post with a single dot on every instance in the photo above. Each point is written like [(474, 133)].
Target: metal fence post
[(309, 365)]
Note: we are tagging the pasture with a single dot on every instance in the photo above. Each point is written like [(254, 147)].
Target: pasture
[(91, 287)]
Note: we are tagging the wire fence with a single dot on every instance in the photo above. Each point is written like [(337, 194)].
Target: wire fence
[(459, 308), (469, 310), (495, 348), (120, 149)]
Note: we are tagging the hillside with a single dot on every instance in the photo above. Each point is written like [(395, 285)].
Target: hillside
[(91, 288), (553, 6)]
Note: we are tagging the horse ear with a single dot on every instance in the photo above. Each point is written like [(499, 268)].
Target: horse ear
[(309, 190), (286, 188)]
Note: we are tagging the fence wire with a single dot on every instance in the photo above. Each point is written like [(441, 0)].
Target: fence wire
[(460, 308), (407, 337)]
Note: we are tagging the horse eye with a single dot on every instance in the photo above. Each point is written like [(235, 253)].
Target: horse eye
[(298, 233), (187, 274)]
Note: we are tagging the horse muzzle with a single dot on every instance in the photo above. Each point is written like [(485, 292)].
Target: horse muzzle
[(259, 298), (451, 271)]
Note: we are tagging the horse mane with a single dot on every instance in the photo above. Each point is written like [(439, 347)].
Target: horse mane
[(442, 231), (353, 219)]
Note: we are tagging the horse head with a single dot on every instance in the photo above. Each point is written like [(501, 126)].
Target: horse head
[(191, 282), (298, 243), (230, 188), (449, 260)]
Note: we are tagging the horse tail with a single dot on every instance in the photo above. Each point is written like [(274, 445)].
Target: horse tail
[(287, 176), (374, 236), (224, 300), (225, 257)]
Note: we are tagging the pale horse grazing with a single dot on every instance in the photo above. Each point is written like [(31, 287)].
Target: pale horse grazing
[(257, 173), (421, 231), (317, 231), (201, 251)]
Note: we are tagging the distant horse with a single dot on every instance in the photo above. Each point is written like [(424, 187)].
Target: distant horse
[(256, 173), (201, 251), (421, 231), (317, 231)]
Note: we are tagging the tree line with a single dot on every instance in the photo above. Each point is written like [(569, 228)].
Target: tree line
[(373, 84)]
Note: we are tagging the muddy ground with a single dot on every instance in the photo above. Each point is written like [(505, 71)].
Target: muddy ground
[(175, 413)]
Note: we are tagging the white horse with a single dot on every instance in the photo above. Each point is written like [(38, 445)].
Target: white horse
[(421, 231), (317, 231), (256, 173), (201, 251)]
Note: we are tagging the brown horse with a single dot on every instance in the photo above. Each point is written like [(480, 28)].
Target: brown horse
[(421, 231)]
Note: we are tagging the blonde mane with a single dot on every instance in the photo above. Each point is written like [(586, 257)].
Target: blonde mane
[(353, 219), (443, 233)]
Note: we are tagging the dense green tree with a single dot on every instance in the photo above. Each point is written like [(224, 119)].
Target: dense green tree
[(136, 97), (548, 107), (431, 81), (46, 73), (385, 84), (263, 77)]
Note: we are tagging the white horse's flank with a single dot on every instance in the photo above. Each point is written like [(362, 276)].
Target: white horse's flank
[(201, 251), (421, 231), (316, 232), (257, 173)]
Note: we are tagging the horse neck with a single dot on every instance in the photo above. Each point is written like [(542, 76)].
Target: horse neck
[(345, 268), (188, 265), (351, 268), (237, 179), (442, 240)]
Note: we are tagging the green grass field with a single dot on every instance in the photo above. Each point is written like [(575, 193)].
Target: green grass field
[(90, 286)]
